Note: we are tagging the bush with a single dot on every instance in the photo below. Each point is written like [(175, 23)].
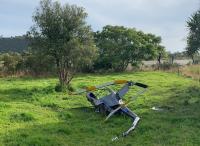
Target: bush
[(13, 63), (10, 63), (58, 88)]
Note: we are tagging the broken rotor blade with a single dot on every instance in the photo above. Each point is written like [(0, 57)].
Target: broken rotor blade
[(135, 122), (92, 88), (113, 112)]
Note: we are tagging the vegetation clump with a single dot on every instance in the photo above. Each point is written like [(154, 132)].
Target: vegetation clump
[(21, 117)]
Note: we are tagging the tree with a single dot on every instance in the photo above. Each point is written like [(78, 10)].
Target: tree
[(115, 47), (152, 48), (119, 46), (193, 39), (61, 32), (192, 47)]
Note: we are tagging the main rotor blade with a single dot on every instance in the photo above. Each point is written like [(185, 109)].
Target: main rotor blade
[(92, 88), (113, 112)]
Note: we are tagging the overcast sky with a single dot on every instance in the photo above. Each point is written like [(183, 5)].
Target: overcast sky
[(166, 18)]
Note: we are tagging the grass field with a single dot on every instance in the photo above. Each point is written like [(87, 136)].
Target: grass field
[(32, 113)]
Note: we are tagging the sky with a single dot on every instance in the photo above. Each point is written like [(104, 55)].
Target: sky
[(165, 18)]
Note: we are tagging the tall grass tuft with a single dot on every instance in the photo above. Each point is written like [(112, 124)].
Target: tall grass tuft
[(192, 71), (21, 117)]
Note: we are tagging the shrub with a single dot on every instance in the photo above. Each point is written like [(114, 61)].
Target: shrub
[(58, 88)]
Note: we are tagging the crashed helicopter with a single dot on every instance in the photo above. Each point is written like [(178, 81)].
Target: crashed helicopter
[(113, 102)]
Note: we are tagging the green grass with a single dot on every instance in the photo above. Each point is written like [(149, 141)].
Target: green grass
[(32, 113)]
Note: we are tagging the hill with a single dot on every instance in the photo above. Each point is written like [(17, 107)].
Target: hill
[(32, 113), (13, 44)]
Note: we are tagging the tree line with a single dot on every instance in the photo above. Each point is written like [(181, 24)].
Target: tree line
[(13, 44), (115, 48)]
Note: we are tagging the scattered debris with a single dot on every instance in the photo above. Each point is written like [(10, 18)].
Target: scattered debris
[(115, 138), (162, 108), (156, 108)]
